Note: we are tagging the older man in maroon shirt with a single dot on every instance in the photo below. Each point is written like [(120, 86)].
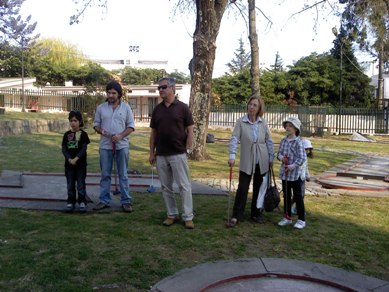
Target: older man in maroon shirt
[(170, 140)]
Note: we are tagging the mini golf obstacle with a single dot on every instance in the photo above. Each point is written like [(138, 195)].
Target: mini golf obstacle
[(365, 173), (11, 179), (267, 274)]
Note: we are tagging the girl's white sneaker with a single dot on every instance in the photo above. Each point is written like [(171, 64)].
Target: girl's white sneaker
[(284, 221), (299, 224)]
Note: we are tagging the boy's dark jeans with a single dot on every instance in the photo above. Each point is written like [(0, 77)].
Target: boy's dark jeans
[(76, 176)]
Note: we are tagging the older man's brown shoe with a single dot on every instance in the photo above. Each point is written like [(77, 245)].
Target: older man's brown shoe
[(189, 224), (169, 221)]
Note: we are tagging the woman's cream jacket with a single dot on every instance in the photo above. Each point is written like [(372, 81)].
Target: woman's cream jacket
[(249, 150)]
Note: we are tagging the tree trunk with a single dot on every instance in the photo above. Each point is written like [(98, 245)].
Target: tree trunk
[(253, 37), (208, 19)]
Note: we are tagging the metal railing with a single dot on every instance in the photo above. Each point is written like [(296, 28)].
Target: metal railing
[(315, 120), (47, 101)]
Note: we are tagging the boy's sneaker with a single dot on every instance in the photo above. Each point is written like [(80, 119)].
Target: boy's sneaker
[(299, 224), (127, 208), (100, 206), (284, 221), (82, 207), (69, 208)]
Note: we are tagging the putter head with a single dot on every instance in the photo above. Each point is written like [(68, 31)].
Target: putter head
[(116, 192), (151, 189)]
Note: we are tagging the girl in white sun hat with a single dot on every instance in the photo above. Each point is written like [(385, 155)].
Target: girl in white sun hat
[(305, 176), (292, 155)]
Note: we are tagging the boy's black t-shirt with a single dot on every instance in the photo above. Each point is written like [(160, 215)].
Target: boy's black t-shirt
[(74, 144)]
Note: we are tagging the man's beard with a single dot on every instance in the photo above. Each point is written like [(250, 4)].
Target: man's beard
[(112, 101)]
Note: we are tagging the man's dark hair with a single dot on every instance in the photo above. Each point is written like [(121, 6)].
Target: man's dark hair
[(116, 86)]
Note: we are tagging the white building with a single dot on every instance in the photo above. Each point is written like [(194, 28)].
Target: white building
[(374, 82), (17, 83), (140, 64), (142, 98)]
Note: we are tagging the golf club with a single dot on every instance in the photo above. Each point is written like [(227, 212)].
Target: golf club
[(116, 191), (229, 195), (151, 188), (286, 187)]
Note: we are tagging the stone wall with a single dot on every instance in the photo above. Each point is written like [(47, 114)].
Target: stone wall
[(32, 126)]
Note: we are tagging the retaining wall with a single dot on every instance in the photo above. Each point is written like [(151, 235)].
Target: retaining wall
[(32, 126)]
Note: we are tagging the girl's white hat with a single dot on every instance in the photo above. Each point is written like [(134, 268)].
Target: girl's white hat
[(294, 121), (307, 144)]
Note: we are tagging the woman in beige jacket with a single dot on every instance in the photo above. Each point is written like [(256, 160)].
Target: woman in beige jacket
[(256, 155)]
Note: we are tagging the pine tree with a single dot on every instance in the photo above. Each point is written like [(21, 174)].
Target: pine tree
[(278, 65), (367, 22), (12, 26), (241, 60)]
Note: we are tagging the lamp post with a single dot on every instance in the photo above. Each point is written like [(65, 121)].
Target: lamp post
[(335, 32), (23, 97), (22, 38)]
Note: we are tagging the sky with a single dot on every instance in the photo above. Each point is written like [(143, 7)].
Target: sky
[(164, 36)]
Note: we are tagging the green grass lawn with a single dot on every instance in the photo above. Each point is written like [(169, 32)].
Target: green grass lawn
[(10, 116), (42, 152), (51, 251)]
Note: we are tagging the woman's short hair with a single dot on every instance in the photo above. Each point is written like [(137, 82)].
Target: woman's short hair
[(261, 109)]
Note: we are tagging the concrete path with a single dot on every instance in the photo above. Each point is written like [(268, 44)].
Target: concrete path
[(47, 191)]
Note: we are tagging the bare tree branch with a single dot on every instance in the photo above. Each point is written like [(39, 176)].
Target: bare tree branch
[(307, 8), (317, 12), (241, 11), (74, 19), (266, 17)]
